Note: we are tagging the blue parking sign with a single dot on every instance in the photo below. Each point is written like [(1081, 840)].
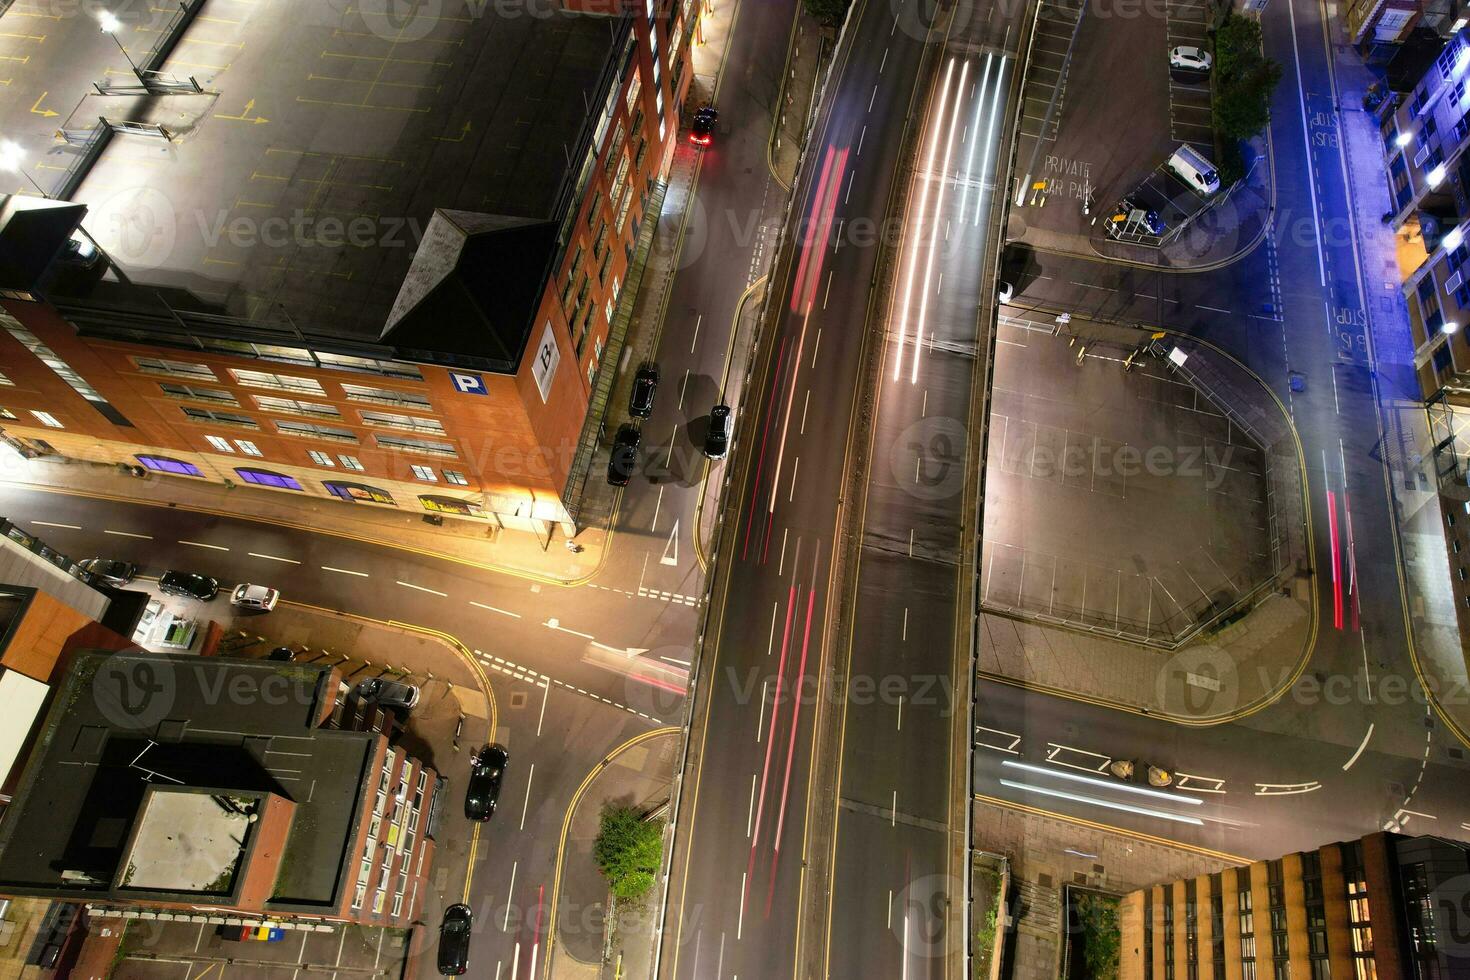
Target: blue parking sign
[(468, 384)]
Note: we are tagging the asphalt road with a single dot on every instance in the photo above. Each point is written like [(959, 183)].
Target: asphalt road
[(1353, 747)]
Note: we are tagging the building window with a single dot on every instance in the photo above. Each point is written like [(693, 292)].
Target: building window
[(165, 464), (385, 396), (409, 422), (350, 462), (265, 478), (198, 394), (292, 406), (280, 382), (371, 365), (310, 430), (426, 446), (320, 458), (219, 418), (357, 491), (248, 448), (425, 473), (223, 445), (183, 369), (47, 419), (456, 477), (64, 371)]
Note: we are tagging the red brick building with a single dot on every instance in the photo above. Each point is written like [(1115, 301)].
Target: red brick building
[(405, 309)]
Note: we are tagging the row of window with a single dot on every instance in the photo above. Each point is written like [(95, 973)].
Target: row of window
[(248, 448), (282, 382), (337, 488), (315, 430)]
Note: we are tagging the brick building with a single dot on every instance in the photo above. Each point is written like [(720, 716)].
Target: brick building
[(221, 791), (1386, 906), (403, 300)]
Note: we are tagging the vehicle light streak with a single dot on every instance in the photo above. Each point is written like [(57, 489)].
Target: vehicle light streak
[(1105, 784), (934, 232), (913, 268), (1079, 798)]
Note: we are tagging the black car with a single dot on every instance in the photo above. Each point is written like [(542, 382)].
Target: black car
[(118, 573), (645, 385), (702, 132), (281, 654), (624, 459), (190, 585), (454, 940), (389, 694), (717, 436), (487, 768)]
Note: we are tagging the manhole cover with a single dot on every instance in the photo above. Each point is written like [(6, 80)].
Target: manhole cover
[(518, 699)]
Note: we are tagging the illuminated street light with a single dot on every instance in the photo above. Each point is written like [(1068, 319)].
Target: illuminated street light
[(1404, 138), (11, 158), (110, 25)]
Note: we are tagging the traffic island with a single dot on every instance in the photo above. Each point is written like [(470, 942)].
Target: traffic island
[(1144, 535)]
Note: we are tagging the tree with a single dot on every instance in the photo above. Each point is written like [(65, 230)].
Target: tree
[(628, 851), (829, 12), (1244, 109)]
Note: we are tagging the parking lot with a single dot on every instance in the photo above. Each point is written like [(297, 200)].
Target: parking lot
[(1123, 111), (156, 950), (1124, 503)]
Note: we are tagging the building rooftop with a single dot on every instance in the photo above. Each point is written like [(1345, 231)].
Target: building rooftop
[(126, 724), (294, 189), (188, 841)]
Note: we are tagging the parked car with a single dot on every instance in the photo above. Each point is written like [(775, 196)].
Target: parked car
[(645, 386), (118, 573), (259, 597), (389, 694), (624, 459), (281, 654), (702, 131), (483, 789), (717, 436), (454, 940), (190, 585), (1187, 57)]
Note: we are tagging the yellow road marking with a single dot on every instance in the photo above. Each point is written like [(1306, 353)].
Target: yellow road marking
[(358, 105), (244, 115), (463, 132), (36, 107)]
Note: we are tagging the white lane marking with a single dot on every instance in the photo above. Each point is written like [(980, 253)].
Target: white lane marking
[(1286, 789), (683, 386), (740, 922), (545, 693), (750, 810), (289, 561), (503, 612), (527, 804), (1015, 740), (1212, 309), (556, 625), (344, 571), (794, 468), (657, 506), (697, 321), (1367, 735), (201, 544), (1198, 784), (128, 534), (513, 868), (1081, 798), (410, 585), (69, 527)]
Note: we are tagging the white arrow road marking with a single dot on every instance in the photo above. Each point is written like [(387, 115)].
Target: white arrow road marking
[(673, 546)]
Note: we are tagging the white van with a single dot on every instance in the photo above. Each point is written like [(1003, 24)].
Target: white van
[(1190, 166)]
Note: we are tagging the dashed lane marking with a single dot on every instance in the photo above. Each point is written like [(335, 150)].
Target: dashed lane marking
[(538, 679)]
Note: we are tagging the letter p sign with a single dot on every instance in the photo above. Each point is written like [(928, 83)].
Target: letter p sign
[(468, 384)]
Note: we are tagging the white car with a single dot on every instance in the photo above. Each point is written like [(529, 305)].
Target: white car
[(260, 597), (1187, 57)]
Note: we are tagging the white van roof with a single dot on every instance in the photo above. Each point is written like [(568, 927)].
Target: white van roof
[(1194, 158)]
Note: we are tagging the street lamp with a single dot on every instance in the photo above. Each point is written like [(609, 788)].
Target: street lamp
[(11, 156), (110, 25)]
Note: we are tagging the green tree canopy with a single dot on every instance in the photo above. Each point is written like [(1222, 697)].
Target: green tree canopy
[(628, 850)]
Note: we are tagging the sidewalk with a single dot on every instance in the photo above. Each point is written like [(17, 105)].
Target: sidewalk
[(585, 942), (471, 543), (1408, 447), (809, 49)]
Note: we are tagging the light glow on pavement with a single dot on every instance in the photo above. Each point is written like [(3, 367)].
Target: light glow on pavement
[(1105, 784), (1079, 798)]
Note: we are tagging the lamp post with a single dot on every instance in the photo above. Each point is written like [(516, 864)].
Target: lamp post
[(110, 25), (11, 156)]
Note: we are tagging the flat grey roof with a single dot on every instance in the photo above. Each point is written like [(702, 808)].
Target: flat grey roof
[(128, 721), (294, 188)]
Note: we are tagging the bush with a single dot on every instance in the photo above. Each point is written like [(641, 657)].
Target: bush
[(829, 12), (1101, 935), (628, 851)]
